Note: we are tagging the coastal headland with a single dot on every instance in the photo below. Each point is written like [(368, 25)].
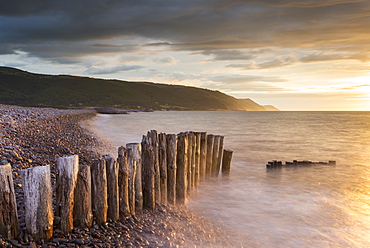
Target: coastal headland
[(37, 136)]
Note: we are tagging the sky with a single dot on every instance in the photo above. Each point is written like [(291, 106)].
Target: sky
[(293, 54)]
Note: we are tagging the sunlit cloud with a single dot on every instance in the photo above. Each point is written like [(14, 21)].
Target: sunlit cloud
[(262, 48)]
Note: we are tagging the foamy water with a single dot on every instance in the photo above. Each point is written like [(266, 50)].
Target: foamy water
[(318, 206)]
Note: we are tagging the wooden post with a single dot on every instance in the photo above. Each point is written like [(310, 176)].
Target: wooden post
[(136, 152), (38, 202), (112, 188), (197, 160), (210, 140), (193, 151), (82, 210), (216, 147), (162, 158), (66, 178), (181, 172), (190, 163), (99, 191), (226, 162), (220, 154), (171, 167), (153, 135), (203, 155), (148, 173), (123, 172), (8, 206), (131, 179)]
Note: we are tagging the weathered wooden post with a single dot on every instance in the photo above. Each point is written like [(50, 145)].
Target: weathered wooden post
[(148, 173), (189, 179), (203, 155), (82, 210), (66, 178), (153, 135), (136, 152), (226, 162), (131, 179), (8, 206), (99, 191), (123, 173), (193, 151), (182, 164), (210, 141), (216, 146), (38, 202), (220, 154), (162, 158), (171, 167), (112, 188), (197, 160)]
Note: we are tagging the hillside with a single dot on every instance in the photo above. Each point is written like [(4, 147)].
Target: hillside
[(19, 87)]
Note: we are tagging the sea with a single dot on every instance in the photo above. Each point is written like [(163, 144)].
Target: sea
[(301, 206)]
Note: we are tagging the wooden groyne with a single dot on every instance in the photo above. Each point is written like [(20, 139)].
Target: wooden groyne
[(278, 164), (162, 169)]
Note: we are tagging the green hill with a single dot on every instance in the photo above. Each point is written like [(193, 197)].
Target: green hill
[(19, 87)]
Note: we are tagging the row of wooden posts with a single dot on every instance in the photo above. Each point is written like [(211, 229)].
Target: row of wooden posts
[(163, 169)]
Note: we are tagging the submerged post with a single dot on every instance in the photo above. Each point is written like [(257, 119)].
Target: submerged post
[(8, 206), (171, 167), (38, 202), (82, 211), (210, 141), (220, 154), (226, 162), (99, 191), (67, 170), (112, 188), (123, 173), (162, 158), (182, 164), (216, 146)]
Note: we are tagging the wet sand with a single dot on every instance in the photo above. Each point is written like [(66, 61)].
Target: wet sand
[(35, 137)]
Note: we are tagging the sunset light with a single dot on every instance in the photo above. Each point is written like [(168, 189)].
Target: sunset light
[(185, 123), (294, 55)]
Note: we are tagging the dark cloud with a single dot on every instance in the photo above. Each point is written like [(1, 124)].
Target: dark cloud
[(213, 27), (111, 70)]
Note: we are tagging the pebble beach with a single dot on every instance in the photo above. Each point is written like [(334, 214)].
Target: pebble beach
[(37, 136)]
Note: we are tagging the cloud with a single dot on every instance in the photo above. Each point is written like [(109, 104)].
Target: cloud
[(227, 54), (167, 60), (242, 79), (111, 70), (310, 57), (220, 29)]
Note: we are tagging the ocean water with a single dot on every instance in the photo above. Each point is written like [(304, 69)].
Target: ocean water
[(317, 206)]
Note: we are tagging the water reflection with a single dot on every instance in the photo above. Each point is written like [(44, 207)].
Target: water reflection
[(317, 206)]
